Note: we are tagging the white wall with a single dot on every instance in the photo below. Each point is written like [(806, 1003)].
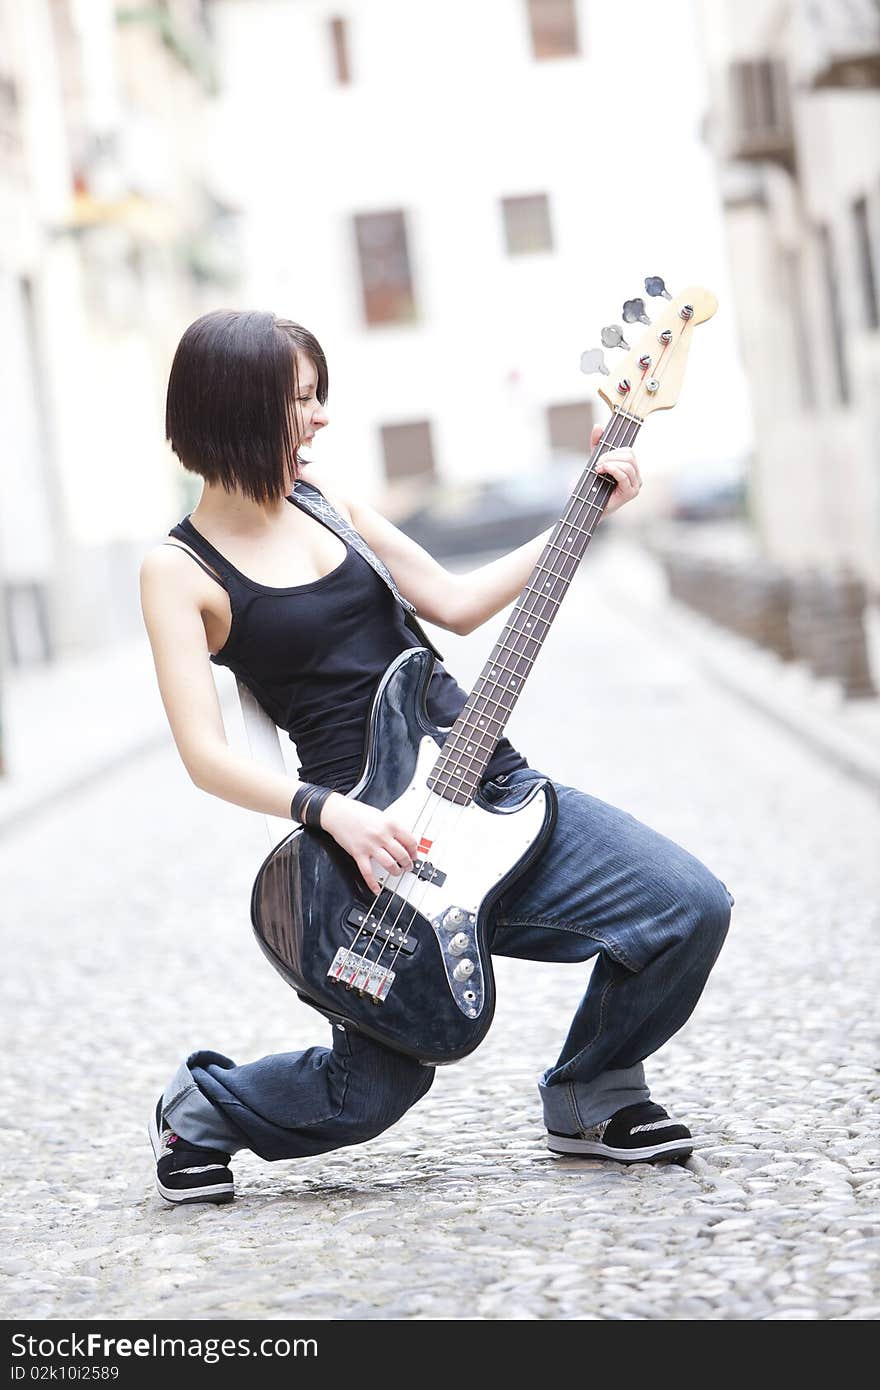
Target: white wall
[(86, 485), (448, 113), (817, 471)]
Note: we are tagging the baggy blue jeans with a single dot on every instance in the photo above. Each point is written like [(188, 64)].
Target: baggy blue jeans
[(604, 885)]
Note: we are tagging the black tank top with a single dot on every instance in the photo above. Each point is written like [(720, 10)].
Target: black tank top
[(313, 655)]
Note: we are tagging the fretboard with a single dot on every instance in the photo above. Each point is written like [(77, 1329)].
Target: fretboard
[(473, 737)]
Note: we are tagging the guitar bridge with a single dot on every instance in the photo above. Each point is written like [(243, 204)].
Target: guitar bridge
[(358, 972)]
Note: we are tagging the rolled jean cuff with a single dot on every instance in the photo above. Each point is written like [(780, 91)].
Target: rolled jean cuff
[(570, 1106), (194, 1118)]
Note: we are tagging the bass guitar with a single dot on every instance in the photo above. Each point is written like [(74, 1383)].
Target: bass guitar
[(411, 967)]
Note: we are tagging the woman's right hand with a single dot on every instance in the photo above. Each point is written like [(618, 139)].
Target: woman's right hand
[(367, 834)]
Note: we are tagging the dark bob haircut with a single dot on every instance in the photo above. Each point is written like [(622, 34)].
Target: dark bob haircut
[(230, 413)]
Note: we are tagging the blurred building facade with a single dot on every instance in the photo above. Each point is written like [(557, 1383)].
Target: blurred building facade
[(431, 188), (423, 207), (109, 236), (795, 124)]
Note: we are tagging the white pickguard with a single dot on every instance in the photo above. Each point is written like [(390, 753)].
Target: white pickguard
[(474, 849)]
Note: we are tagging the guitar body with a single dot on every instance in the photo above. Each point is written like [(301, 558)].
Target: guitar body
[(411, 969)]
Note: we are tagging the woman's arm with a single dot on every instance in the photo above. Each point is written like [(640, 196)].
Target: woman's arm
[(171, 602), (462, 602)]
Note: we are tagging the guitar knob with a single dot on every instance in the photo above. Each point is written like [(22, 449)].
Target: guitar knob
[(459, 943), (453, 918), (634, 311), (612, 337), (594, 361), (655, 286), (463, 970)]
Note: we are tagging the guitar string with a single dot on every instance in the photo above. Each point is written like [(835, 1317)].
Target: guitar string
[(585, 504), (609, 445), (404, 900), (606, 444), (546, 594)]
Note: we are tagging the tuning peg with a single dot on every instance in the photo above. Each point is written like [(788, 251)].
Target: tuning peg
[(655, 286), (612, 337), (594, 361), (634, 311)]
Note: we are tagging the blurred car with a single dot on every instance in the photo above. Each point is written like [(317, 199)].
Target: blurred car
[(495, 514), (709, 497)]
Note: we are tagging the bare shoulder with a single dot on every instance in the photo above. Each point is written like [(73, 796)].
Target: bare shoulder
[(171, 579), (158, 560), (169, 566), (161, 566), (327, 481)]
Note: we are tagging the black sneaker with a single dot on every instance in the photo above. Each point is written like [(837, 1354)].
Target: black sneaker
[(184, 1172), (637, 1134)]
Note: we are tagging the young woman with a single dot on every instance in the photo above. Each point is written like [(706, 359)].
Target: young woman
[(276, 575)]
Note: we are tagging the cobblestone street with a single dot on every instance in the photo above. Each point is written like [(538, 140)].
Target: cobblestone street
[(128, 944)]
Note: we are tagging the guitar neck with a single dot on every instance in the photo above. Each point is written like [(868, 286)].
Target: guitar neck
[(472, 739)]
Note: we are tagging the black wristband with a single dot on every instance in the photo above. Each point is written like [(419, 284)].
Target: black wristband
[(314, 806), (300, 796), (306, 803)]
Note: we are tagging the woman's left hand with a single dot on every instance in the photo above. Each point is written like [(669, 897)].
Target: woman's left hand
[(619, 464)]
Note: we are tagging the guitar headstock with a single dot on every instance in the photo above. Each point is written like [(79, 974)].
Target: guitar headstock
[(650, 375)]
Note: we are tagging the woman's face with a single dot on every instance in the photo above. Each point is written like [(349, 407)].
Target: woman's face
[(310, 414)]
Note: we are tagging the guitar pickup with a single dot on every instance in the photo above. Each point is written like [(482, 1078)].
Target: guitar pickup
[(423, 868), (384, 931)]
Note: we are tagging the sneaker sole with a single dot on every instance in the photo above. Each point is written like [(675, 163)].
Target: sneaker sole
[(218, 1192), (673, 1148)]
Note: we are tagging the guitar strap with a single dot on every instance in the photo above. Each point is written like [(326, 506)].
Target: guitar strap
[(307, 496)]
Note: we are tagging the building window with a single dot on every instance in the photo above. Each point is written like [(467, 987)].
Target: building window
[(386, 279), (553, 25), (835, 314), (760, 111), (339, 39), (527, 224), (408, 450), (803, 355), (866, 263), (569, 426)]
